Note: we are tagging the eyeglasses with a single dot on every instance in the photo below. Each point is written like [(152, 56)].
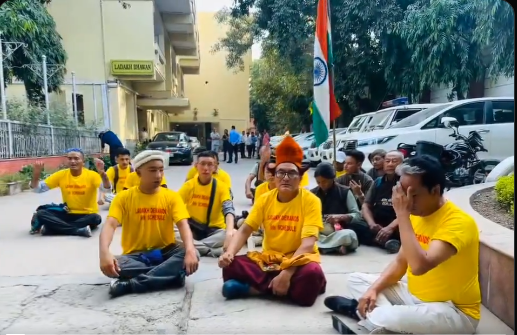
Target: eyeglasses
[(289, 174)]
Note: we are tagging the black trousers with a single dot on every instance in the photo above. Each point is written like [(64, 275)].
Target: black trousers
[(63, 223), (113, 155), (227, 150), (145, 277), (234, 152), (242, 149), (251, 150), (367, 237)]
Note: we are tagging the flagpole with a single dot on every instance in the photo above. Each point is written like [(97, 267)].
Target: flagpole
[(334, 141)]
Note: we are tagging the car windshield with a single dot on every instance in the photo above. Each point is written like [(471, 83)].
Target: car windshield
[(379, 120), (418, 117), (167, 137), (357, 123)]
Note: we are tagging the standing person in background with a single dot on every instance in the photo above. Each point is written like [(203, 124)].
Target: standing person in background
[(242, 144), (258, 144), (216, 140), (226, 145), (249, 144), (235, 140), (253, 145), (144, 135), (265, 138), (108, 137)]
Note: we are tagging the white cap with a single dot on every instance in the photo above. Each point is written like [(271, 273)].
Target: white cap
[(340, 157), (147, 156)]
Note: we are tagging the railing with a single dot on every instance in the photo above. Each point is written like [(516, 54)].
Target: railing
[(20, 140)]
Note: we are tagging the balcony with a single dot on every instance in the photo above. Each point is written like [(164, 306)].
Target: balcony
[(179, 20), (189, 64)]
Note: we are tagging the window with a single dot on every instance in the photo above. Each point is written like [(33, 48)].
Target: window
[(504, 111), (467, 115), (404, 113), (80, 108), (163, 137), (418, 117)]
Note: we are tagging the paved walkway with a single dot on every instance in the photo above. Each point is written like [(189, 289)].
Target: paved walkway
[(53, 285)]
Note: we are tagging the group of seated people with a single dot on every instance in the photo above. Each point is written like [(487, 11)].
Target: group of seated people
[(164, 232)]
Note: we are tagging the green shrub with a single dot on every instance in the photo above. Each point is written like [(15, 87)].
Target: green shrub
[(90, 164), (505, 190)]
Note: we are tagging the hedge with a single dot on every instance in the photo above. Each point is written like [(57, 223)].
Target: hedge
[(505, 190)]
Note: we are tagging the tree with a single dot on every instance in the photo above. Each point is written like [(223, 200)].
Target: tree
[(279, 96), (28, 22), (384, 49)]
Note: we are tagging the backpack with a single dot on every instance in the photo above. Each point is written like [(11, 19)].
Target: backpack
[(115, 180), (36, 225)]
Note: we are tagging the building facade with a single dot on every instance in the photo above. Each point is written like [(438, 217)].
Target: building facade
[(500, 87), (218, 97), (141, 67)]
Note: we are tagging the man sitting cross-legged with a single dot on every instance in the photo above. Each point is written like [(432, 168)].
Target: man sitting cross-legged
[(439, 254), (210, 206), (291, 217), (151, 259), (79, 186)]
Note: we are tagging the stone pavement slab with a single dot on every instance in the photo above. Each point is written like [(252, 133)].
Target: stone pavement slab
[(53, 284)]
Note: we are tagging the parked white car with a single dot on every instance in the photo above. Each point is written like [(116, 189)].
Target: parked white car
[(374, 121), (491, 117), (313, 153)]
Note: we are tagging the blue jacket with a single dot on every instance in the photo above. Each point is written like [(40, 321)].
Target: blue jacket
[(235, 137), (110, 139)]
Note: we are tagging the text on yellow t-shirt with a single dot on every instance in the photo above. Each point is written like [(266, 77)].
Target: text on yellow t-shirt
[(122, 176), (79, 193), (286, 224), (147, 219), (197, 198), (456, 279), (134, 180)]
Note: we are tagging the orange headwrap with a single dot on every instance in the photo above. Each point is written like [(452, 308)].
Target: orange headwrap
[(288, 151)]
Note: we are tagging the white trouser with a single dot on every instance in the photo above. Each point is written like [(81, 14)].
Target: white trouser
[(398, 311), (109, 197)]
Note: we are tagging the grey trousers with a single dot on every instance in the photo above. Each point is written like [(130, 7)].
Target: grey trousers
[(145, 277), (209, 246)]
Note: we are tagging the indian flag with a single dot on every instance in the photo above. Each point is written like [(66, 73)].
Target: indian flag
[(324, 107)]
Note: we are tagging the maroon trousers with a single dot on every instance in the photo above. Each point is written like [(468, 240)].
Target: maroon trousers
[(306, 284)]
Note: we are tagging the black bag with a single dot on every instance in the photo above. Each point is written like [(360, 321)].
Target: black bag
[(200, 230), (115, 180)]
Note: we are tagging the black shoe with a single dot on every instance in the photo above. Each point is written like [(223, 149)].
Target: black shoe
[(180, 281), (119, 288), (86, 232), (342, 305), (229, 162), (392, 246)]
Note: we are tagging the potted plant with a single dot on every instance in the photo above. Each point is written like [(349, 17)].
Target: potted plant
[(216, 112)]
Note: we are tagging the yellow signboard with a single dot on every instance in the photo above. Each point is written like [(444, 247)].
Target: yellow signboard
[(132, 67)]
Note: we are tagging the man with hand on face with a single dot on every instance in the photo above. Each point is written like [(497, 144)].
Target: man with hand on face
[(151, 258), (79, 186), (210, 206), (291, 218), (358, 181), (378, 209), (439, 255)]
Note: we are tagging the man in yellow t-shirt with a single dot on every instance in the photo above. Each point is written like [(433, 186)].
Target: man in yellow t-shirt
[(210, 206), (79, 186), (118, 174), (134, 180), (291, 217), (151, 257), (339, 163), (439, 254), (219, 173)]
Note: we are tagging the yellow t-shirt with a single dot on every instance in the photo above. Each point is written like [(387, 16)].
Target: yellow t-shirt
[(122, 176), (305, 180), (79, 193), (220, 175), (456, 279), (134, 180), (340, 173), (147, 219), (285, 224), (262, 189), (197, 197)]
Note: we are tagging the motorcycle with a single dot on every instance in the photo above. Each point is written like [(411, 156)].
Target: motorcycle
[(459, 158)]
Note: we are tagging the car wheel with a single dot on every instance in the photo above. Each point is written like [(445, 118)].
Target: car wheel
[(190, 161)]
